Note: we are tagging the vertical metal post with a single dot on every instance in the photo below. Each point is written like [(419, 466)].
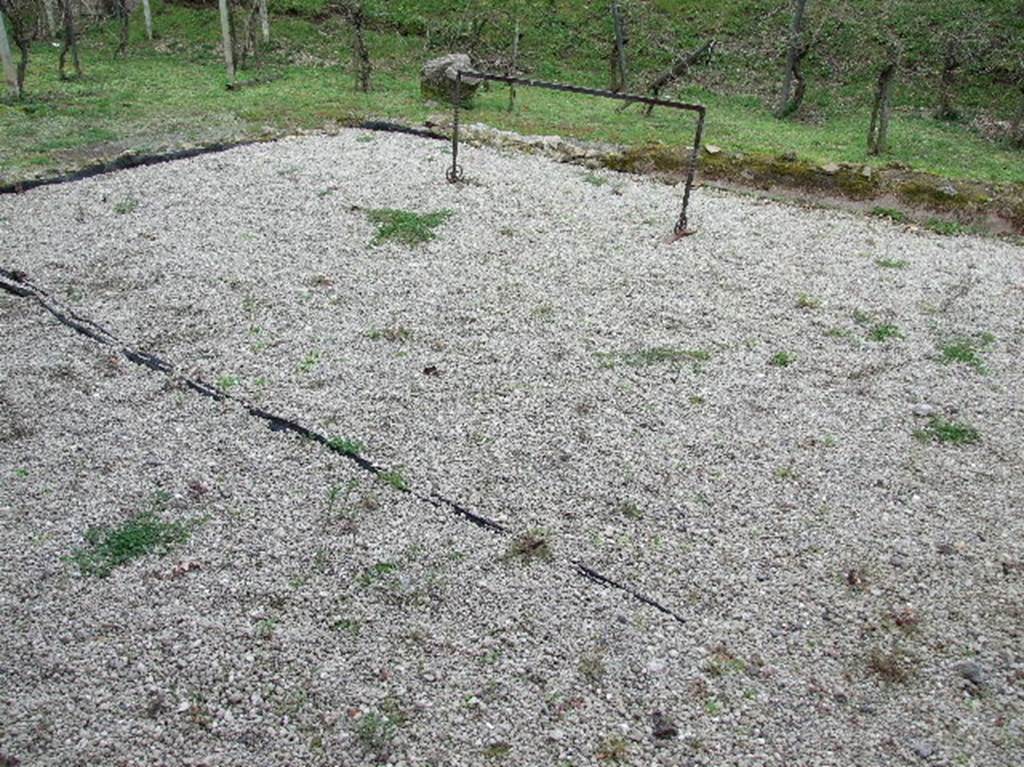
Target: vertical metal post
[(681, 229), (454, 174)]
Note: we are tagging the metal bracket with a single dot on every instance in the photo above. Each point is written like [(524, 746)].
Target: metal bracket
[(455, 175)]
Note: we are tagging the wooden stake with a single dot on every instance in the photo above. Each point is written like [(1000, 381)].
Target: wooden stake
[(10, 73), (148, 14), (229, 44)]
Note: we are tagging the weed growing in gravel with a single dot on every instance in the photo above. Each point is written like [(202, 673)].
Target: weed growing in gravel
[(938, 429), (592, 668), (395, 334), (884, 331), (375, 731), (529, 546), (406, 227), (373, 574), (967, 351), (892, 214), (891, 665), (891, 263), (265, 628), (348, 625), (614, 750), (629, 510), (227, 383), (497, 751), (861, 317), (309, 362), (125, 206), (653, 356), (395, 478), (367, 138), (345, 446), (782, 359), (107, 548), (805, 301), (947, 228), (594, 179)]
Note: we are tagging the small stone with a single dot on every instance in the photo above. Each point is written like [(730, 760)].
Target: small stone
[(946, 549), (830, 168), (664, 728), (712, 149), (948, 189), (867, 172), (923, 748), (971, 671), (657, 666), (923, 409)]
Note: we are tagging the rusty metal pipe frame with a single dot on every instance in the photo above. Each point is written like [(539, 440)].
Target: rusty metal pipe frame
[(454, 173)]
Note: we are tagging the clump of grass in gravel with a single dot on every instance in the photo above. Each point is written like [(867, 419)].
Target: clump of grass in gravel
[(629, 510), (309, 362), (967, 351), (497, 750), (782, 359), (938, 429), (892, 263), (108, 548), (656, 355), (947, 228), (891, 665), (894, 215), (125, 206), (396, 334), (614, 750), (395, 478), (227, 383), (594, 179), (405, 226), (528, 547), (883, 331), (345, 446), (376, 729), (374, 573), (808, 302)]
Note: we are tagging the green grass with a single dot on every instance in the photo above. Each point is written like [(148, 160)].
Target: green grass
[(395, 479), (967, 351), (227, 382), (892, 263), (172, 92), (406, 227), (894, 215), (940, 430), (884, 331), (805, 301), (108, 548), (782, 359), (345, 446)]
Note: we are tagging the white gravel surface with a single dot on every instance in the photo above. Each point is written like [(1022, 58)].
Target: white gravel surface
[(851, 595)]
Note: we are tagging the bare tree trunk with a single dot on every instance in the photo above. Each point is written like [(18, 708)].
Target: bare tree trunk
[(789, 101), (10, 75), (360, 54), (228, 39), (147, 14), (950, 64), (879, 128), (264, 21), (1017, 127), (618, 61), (512, 67), (121, 8), (70, 39), (51, 18)]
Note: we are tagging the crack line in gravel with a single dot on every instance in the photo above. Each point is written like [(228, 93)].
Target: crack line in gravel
[(17, 284)]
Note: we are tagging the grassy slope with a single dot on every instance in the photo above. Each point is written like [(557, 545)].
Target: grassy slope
[(173, 91)]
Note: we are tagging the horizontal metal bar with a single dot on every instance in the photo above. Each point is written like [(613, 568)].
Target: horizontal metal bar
[(632, 97)]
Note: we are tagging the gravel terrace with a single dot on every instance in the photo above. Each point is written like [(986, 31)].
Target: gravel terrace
[(743, 427)]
